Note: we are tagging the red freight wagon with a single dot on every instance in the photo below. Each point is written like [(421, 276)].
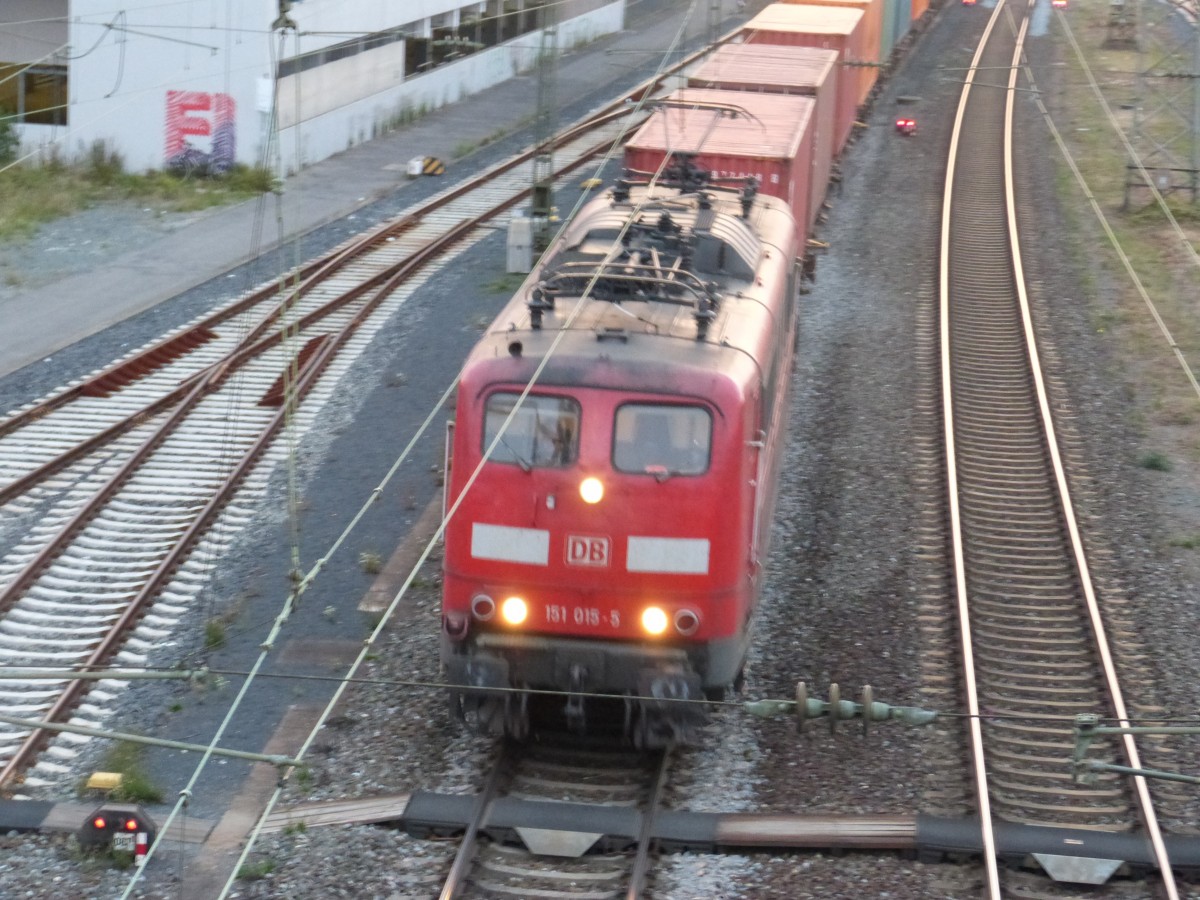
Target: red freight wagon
[(873, 12), (804, 71), (826, 27), (774, 142)]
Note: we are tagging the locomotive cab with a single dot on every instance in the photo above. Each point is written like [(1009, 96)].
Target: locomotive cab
[(605, 508)]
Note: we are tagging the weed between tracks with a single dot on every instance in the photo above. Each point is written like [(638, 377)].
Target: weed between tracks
[(128, 759)]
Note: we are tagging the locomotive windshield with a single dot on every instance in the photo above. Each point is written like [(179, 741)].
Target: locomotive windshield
[(657, 439), (543, 433)]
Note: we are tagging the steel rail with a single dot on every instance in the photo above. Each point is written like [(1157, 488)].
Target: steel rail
[(209, 379), (641, 860), (124, 371), (320, 268), (254, 343), (139, 605), (310, 276), (464, 859), (1023, 420), (974, 726), (302, 281), (1112, 682)]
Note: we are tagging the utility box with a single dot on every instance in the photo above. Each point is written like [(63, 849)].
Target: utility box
[(520, 244), (118, 826), (416, 167)]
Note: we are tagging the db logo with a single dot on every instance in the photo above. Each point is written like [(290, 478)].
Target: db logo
[(587, 551)]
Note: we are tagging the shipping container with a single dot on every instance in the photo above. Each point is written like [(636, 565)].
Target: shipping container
[(736, 134), (873, 48), (828, 27), (897, 21), (776, 69)]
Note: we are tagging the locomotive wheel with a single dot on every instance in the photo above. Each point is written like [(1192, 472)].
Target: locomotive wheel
[(482, 715), (490, 715)]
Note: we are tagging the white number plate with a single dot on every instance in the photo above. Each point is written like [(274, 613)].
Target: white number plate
[(123, 840), (557, 614)]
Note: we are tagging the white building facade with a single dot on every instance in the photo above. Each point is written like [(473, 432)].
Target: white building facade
[(196, 83)]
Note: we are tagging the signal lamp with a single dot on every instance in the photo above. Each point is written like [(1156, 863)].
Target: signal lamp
[(686, 622), (591, 490), (483, 606), (654, 620), (514, 611)]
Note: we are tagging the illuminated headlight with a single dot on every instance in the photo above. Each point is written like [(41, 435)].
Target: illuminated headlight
[(514, 610), (654, 620), (591, 490)]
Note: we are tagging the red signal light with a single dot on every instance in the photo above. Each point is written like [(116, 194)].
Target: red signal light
[(99, 823), (131, 824)]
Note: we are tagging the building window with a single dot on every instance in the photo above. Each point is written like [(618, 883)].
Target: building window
[(36, 95), (479, 26)]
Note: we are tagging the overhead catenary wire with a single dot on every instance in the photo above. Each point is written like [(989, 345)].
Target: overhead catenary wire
[(148, 673), (385, 618), (288, 605)]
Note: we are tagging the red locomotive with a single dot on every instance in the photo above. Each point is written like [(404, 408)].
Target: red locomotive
[(614, 457)]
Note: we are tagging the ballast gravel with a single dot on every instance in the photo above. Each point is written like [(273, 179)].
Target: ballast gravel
[(843, 587)]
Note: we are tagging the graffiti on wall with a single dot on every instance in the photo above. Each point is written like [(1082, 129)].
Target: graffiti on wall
[(196, 114)]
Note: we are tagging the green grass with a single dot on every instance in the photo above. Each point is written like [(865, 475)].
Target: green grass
[(304, 778), (1156, 462), (505, 284), (256, 870), (128, 758), (370, 562), (214, 634), (31, 196), (1161, 393)]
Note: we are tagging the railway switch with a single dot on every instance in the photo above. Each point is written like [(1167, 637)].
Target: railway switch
[(123, 827)]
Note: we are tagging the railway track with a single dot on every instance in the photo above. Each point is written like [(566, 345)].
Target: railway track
[(118, 492), (1033, 641), (557, 863)]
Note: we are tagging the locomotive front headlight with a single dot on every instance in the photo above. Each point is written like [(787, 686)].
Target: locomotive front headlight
[(654, 620), (591, 490), (514, 610)]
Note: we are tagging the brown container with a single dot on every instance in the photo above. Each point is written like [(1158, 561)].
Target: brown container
[(776, 69), (770, 138), (873, 11), (918, 8), (825, 27)]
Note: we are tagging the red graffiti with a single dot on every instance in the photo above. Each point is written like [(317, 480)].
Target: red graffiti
[(182, 121), (199, 114)]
